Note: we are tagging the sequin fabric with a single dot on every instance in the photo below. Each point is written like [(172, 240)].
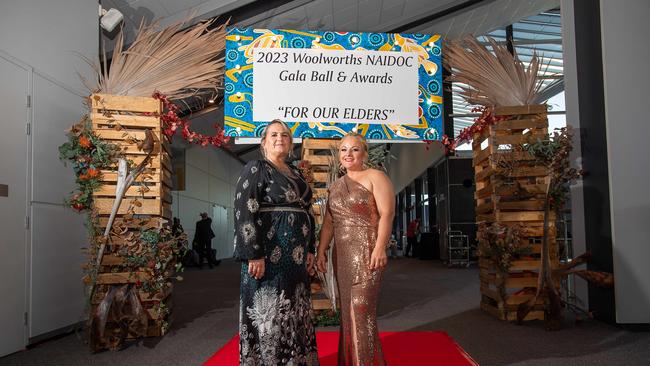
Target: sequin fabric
[(355, 217)]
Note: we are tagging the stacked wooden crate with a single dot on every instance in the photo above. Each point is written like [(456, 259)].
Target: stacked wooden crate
[(123, 120), (510, 191), (317, 152)]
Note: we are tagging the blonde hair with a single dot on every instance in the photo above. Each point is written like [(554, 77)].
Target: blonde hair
[(266, 130)]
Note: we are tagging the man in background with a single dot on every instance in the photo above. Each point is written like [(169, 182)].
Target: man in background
[(203, 240)]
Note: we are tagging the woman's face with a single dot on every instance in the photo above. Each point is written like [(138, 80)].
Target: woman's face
[(277, 142), (352, 153)]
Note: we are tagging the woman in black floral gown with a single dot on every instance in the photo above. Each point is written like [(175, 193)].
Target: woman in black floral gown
[(274, 239)]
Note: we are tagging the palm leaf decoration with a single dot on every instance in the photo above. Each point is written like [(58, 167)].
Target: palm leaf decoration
[(175, 61), (496, 77)]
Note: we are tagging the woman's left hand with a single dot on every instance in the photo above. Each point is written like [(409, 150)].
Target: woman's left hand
[(311, 259), (378, 259)]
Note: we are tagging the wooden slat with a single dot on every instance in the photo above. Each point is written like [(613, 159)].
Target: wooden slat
[(321, 177), (133, 149), (318, 160), (111, 134), (103, 206), (512, 156), (525, 265), (133, 191), (480, 156), (520, 216), (324, 144), (523, 109), (483, 192), (535, 171), (533, 315), (126, 103), (478, 138), (112, 260), (111, 176), (510, 190), (321, 192), (539, 122), (122, 277), (492, 294), (483, 174), (103, 221), (484, 208), (518, 139), (535, 205), (125, 120)]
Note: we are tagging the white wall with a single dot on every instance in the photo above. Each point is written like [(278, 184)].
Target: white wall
[(210, 178), (46, 37), (412, 161), (624, 32)]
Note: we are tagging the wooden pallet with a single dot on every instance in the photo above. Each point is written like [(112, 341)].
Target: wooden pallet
[(317, 152), (510, 190), (122, 121)]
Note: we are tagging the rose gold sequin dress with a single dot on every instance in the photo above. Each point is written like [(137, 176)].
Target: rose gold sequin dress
[(355, 217)]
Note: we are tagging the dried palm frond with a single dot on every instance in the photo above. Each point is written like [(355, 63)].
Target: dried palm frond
[(176, 62), (496, 78)]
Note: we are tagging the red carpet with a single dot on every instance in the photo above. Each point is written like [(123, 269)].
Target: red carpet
[(400, 349)]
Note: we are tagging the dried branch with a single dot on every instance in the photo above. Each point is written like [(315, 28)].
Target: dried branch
[(177, 62), (493, 78)]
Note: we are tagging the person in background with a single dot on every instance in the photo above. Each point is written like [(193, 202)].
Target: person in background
[(203, 240), (177, 228), (392, 246), (412, 232)]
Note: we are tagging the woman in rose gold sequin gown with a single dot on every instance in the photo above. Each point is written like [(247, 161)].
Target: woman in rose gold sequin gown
[(360, 210)]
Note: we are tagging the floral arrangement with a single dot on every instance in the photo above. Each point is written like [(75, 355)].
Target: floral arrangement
[(172, 123), (501, 244), (88, 155), (487, 118)]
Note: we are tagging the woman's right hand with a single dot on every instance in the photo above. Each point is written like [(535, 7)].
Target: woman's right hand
[(256, 268), (321, 262)]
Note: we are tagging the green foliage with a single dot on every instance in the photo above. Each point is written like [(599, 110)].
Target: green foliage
[(554, 153), (88, 154), (328, 318)]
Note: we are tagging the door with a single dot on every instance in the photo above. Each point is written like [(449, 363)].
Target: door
[(223, 237), (13, 204)]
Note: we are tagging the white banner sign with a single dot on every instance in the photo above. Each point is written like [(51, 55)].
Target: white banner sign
[(316, 85)]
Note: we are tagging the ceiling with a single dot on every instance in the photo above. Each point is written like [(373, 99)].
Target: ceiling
[(451, 18)]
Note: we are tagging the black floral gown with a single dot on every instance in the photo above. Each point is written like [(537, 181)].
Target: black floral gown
[(273, 221)]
